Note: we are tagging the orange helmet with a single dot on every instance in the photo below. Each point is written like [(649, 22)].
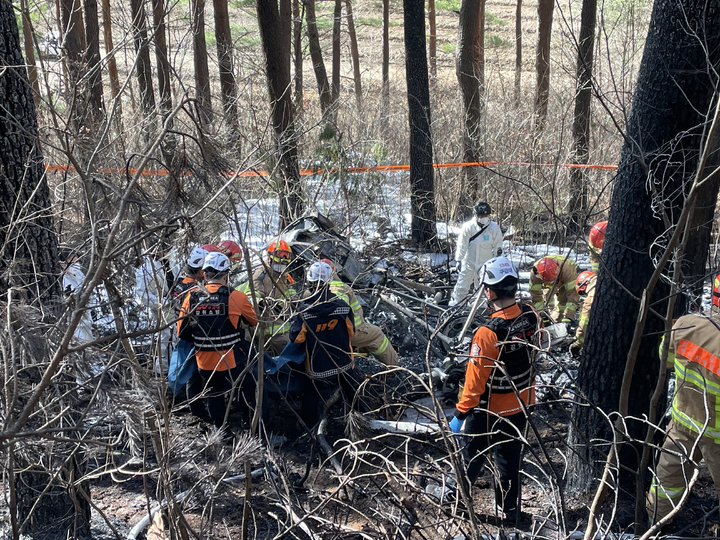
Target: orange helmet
[(547, 268), (279, 252), (583, 280), (231, 250), (597, 234), (210, 248), (716, 291)]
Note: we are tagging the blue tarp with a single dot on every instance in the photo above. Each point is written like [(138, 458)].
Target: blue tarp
[(182, 366)]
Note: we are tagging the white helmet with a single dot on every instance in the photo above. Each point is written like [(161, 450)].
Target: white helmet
[(496, 270), (319, 271), (217, 261), (197, 257)]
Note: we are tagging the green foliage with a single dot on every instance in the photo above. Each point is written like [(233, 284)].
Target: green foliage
[(448, 47), (210, 40), (379, 151), (495, 41), (324, 22), (375, 22), (248, 40), (328, 133), (237, 4), (447, 5), (494, 19)]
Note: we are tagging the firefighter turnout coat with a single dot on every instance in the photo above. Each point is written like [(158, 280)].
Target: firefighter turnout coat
[(211, 319), (560, 295), (500, 371), (585, 311), (325, 325), (368, 337)]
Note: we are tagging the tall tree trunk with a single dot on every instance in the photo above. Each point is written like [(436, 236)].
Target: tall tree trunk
[(337, 25), (30, 53), (298, 53), (110, 54), (144, 67), (96, 109), (161, 57), (663, 138), (518, 51), (385, 91), (542, 62), (581, 121), (355, 53), (228, 87), (202, 72), (274, 19), (73, 58), (316, 56), (422, 189), (470, 71), (432, 38)]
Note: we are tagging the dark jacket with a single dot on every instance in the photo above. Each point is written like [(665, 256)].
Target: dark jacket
[(325, 325)]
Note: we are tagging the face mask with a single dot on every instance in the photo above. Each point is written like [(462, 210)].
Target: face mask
[(483, 221), (279, 268)]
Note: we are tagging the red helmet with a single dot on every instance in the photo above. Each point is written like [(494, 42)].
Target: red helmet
[(597, 234), (210, 248), (279, 252), (583, 280), (231, 250), (328, 262), (547, 268), (716, 291)]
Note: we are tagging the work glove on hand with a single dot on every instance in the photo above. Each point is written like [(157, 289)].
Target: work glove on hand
[(575, 349), (456, 424)]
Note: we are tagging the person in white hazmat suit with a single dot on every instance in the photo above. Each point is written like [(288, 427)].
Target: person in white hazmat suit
[(150, 291), (73, 278), (480, 240)]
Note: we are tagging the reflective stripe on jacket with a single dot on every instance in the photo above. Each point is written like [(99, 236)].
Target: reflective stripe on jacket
[(563, 288), (585, 310), (345, 292)]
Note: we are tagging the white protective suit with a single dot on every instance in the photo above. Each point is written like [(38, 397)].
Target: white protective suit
[(73, 277), (150, 291), (474, 254)]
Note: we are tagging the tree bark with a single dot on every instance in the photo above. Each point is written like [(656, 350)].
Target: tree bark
[(30, 53), (161, 57), (202, 72), (663, 138), (110, 54), (385, 91), (273, 20), (355, 53), (432, 38), (73, 58), (337, 25), (298, 54), (518, 52), (228, 87), (422, 190), (316, 57), (96, 109), (581, 121), (542, 62), (470, 71), (144, 67)]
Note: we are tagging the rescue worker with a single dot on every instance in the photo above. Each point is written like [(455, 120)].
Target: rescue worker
[(499, 385), (552, 284), (584, 286), (212, 319), (693, 434), (325, 325), (480, 239), (368, 337), (192, 274), (275, 289), (231, 250), (597, 239)]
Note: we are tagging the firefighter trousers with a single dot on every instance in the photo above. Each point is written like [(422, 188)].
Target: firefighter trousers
[(369, 338), (500, 437), (675, 469)]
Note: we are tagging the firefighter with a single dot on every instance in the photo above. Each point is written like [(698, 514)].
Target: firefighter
[(480, 239), (231, 250), (275, 289), (499, 385), (693, 434), (584, 286), (552, 283), (325, 325), (211, 319), (597, 239), (368, 337), (192, 274)]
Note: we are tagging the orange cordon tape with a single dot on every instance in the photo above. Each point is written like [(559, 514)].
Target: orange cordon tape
[(351, 170)]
